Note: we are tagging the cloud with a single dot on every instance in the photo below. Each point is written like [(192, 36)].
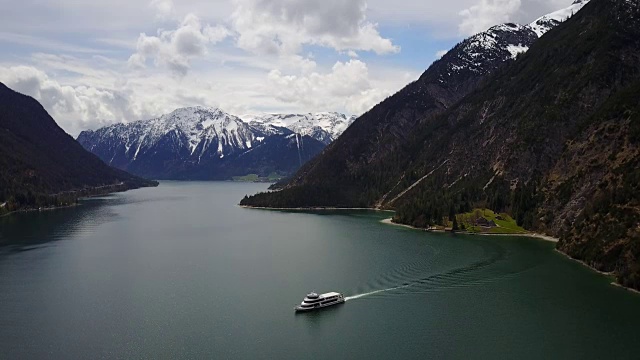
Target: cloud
[(346, 86), (212, 52), (164, 8), (440, 53), (73, 107), (284, 26), (45, 43), (486, 14), (176, 48)]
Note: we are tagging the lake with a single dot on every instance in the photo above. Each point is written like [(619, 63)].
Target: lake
[(180, 271)]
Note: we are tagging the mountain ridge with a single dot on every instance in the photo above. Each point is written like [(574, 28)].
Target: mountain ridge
[(323, 126), (550, 138), (449, 79), (42, 166), (204, 143)]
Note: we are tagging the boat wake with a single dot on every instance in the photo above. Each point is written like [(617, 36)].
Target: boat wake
[(411, 278), (375, 292)]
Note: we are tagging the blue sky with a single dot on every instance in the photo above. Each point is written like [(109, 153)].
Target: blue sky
[(96, 63)]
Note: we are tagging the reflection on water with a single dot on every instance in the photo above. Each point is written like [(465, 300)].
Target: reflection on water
[(24, 231), (28, 230)]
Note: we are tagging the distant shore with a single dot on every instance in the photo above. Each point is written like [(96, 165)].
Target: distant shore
[(531, 235), (48, 208), (81, 194)]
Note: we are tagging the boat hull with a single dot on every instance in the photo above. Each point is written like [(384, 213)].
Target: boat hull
[(319, 306)]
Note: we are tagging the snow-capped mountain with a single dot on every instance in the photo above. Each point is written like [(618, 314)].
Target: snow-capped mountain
[(325, 126), (195, 131), (199, 143), (381, 134), (207, 143), (484, 52), (549, 21)]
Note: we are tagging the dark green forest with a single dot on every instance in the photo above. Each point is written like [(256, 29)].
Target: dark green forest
[(42, 166), (551, 139)]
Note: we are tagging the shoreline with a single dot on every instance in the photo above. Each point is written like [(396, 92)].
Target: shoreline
[(604, 273), (50, 208), (530, 235), (389, 221), (101, 191), (587, 265), (310, 208), (625, 288)]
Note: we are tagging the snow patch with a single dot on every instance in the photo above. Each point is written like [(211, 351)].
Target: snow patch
[(517, 49), (210, 132), (549, 21), (323, 126), (207, 123)]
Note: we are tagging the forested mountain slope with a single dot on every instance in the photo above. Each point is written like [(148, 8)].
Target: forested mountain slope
[(552, 139), (369, 159), (41, 165)]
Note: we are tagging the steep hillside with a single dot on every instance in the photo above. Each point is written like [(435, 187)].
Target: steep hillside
[(40, 165), (200, 143), (551, 139), (370, 158)]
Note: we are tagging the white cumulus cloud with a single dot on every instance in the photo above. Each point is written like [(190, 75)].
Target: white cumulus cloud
[(241, 55), (486, 14), (176, 48), (164, 8), (346, 86), (75, 108), (284, 26)]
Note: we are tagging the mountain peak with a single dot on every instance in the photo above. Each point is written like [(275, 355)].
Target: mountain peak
[(553, 139), (547, 22), (194, 113), (323, 126), (208, 143)]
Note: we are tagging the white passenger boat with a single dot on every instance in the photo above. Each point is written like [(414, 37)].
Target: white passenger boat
[(315, 301)]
